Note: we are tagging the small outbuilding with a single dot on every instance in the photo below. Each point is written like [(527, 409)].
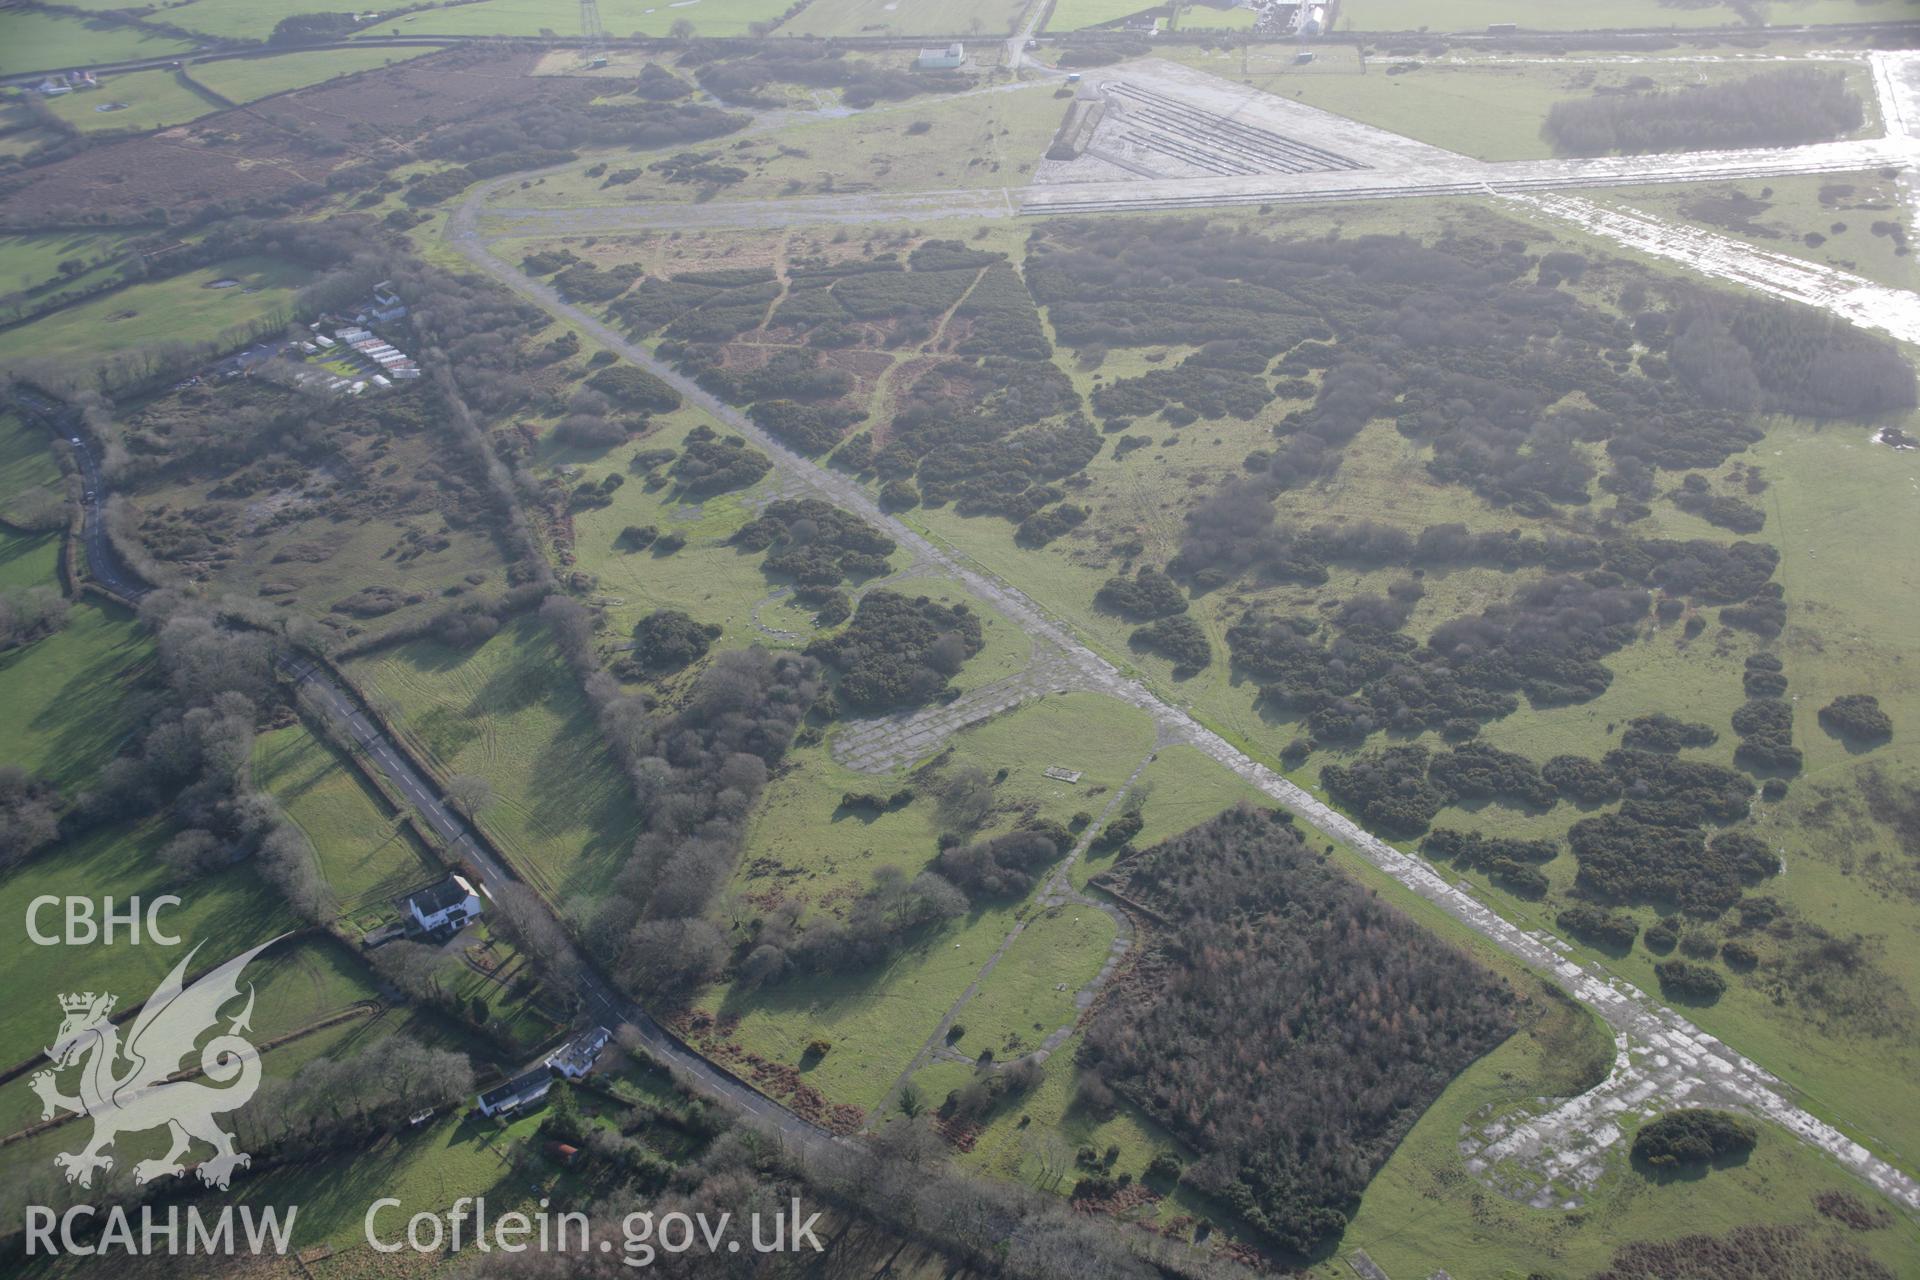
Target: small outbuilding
[(947, 59), (521, 1091)]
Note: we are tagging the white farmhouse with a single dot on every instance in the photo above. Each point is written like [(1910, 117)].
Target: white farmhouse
[(451, 902)]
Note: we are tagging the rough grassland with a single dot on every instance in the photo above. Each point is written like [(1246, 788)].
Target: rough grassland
[(148, 314), (1422, 1209), (1851, 592), (983, 141), (511, 712), (248, 79), (1181, 789), (358, 554), (1779, 221), (799, 848), (365, 854), (139, 100), (1847, 574), (813, 851), (39, 41), (1030, 993), (876, 1020), (720, 584)]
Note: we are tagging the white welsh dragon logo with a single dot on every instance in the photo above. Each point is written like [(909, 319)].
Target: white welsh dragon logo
[(144, 1095)]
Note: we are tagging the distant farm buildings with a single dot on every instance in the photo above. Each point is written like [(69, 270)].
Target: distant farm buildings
[(54, 86)]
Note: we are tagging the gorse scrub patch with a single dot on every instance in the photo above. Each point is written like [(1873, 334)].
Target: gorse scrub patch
[(1694, 1136), (1784, 107), (899, 651), (1280, 1010)]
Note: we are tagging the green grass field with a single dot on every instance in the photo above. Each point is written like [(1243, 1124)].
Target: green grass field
[(296, 985), (365, 853), (233, 19), (182, 308), (39, 41), (511, 712), (1573, 15), (804, 848), (63, 699), (26, 461), (1847, 586), (139, 101), (523, 1015), (426, 1169), (982, 18), (708, 579), (26, 261), (1539, 15), (229, 911), (876, 1020), (1487, 107), (1077, 15), (249, 79), (29, 560), (1181, 789), (562, 18), (718, 583)]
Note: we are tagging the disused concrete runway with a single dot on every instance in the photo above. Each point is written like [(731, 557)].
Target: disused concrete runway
[(1547, 1154)]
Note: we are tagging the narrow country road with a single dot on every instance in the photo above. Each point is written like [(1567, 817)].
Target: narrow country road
[(602, 1002)]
